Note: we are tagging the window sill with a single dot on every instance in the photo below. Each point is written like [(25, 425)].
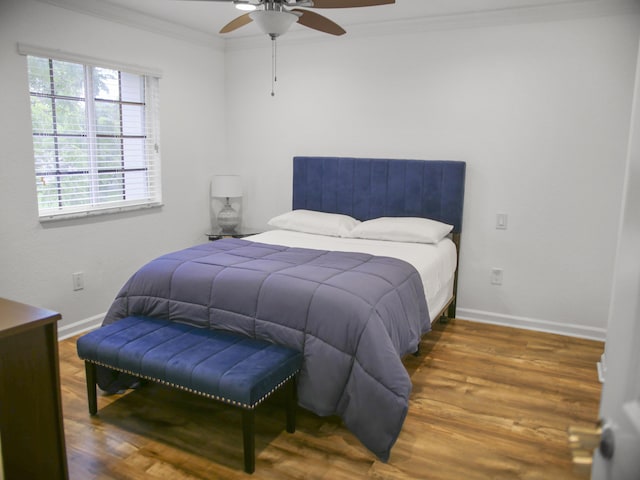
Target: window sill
[(92, 213)]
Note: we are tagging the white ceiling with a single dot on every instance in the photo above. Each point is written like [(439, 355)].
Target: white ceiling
[(210, 16)]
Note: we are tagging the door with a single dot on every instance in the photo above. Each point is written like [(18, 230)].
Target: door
[(618, 457)]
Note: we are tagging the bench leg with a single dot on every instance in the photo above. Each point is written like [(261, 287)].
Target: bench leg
[(291, 405), (248, 439), (90, 370)]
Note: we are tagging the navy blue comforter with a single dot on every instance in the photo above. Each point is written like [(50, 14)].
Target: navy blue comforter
[(353, 316)]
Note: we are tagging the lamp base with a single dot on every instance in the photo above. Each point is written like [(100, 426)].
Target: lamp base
[(228, 219)]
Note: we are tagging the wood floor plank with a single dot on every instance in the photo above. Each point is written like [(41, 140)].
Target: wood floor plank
[(487, 402)]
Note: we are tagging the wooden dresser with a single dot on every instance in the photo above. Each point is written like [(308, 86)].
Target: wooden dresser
[(31, 427)]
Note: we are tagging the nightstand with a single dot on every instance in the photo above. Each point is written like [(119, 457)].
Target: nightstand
[(239, 234)]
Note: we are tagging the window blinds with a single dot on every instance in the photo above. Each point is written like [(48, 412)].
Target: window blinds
[(95, 138)]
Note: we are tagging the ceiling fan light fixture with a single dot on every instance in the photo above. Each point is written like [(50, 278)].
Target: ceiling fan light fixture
[(273, 23), (245, 5)]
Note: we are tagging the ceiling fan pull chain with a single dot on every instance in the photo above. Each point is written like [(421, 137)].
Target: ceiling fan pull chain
[(274, 54)]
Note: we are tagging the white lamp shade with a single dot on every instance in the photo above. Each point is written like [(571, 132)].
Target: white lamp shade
[(226, 186), (272, 23)]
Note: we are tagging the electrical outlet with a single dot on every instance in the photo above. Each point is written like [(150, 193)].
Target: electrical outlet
[(496, 276), (78, 280)]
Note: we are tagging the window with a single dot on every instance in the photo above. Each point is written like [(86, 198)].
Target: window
[(95, 138)]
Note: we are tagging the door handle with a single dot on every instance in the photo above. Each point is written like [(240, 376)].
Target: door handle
[(584, 440)]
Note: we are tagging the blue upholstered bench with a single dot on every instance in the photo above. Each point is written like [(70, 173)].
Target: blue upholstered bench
[(227, 367)]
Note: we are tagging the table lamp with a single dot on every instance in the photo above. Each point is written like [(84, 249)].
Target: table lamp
[(227, 186)]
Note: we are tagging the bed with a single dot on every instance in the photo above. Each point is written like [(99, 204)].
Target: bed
[(370, 188), (354, 307)]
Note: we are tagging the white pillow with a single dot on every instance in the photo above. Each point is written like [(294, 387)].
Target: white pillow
[(309, 221), (402, 229)]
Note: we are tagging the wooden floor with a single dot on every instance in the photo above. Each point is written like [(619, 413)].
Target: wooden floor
[(488, 402)]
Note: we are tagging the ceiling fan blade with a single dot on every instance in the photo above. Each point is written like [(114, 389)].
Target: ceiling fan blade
[(318, 22), (350, 3), (236, 23)]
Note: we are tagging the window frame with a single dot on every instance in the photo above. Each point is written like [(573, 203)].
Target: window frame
[(148, 137)]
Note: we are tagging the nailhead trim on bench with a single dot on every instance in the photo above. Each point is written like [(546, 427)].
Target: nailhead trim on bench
[(208, 395)]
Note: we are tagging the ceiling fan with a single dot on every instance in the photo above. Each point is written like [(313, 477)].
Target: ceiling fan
[(274, 17)]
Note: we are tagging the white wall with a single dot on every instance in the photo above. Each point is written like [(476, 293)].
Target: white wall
[(539, 110), (36, 260)]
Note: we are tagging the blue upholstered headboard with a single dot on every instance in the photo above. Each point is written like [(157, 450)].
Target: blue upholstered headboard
[(366, 188)]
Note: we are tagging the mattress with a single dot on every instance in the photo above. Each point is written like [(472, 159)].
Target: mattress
[(436, 263)]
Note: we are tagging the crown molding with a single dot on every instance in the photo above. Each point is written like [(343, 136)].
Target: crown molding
[(133, 18), (569, 10)]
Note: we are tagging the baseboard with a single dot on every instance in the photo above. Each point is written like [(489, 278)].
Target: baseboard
[(80, 326), (567, 329), (480, 316)]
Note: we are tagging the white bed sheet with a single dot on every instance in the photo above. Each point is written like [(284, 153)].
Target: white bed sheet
[(436, 264)]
